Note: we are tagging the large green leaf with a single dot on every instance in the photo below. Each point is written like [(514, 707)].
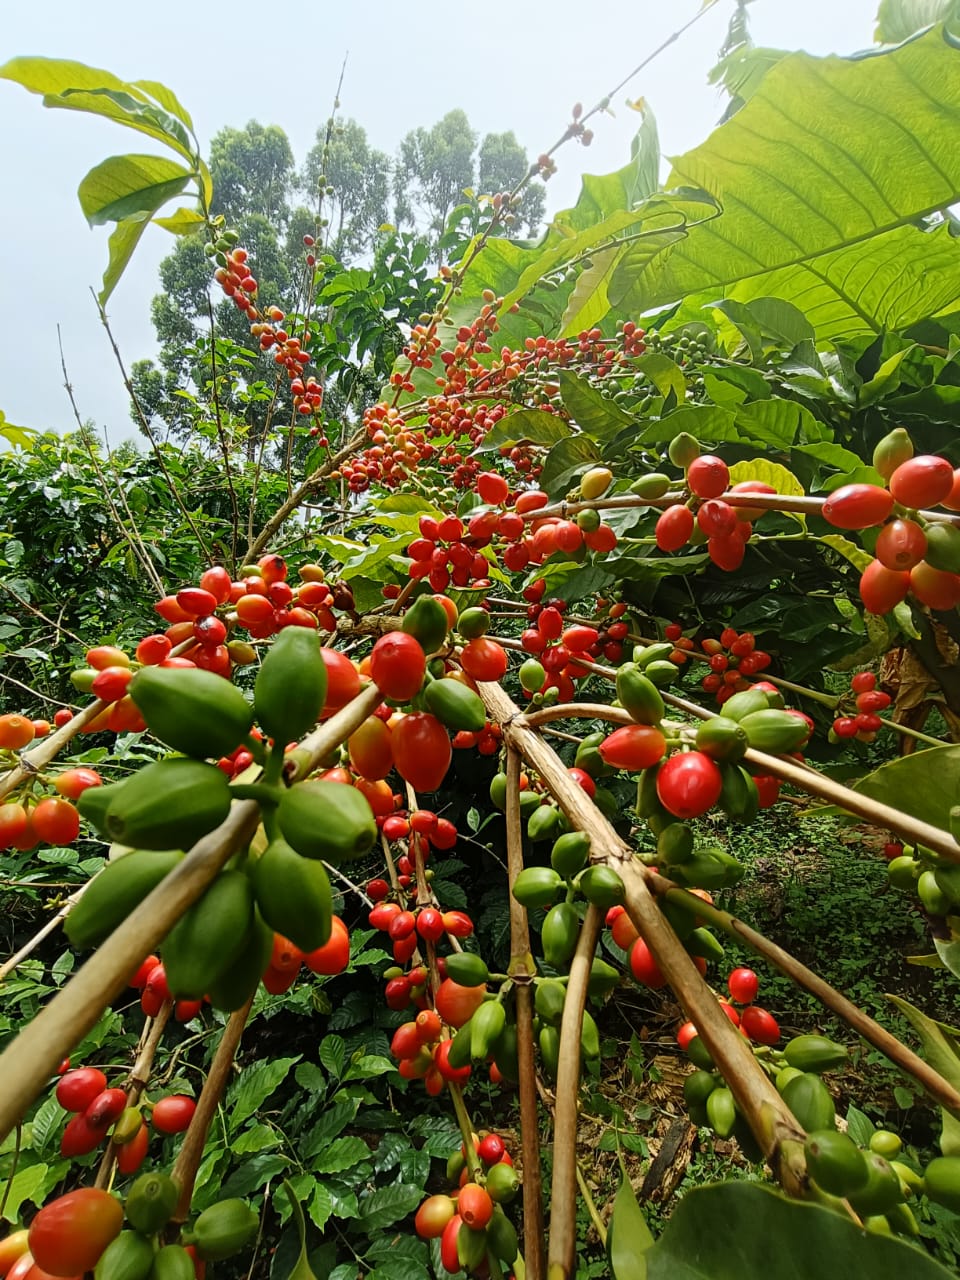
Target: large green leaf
[(923, 785), (596, 415), (745, 1231), (73, 86), (628, 1236), (941, 1048), (123, 240), (532, 426), (125, 186), (898, 19), (821, 176)]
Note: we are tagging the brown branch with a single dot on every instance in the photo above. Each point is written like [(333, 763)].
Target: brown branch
[(286, 509), (522, 970), (563, 1185), (939, 1089), (769, 1118), (138, 1079), (34, 1055), (32, 761), (185, 1168)]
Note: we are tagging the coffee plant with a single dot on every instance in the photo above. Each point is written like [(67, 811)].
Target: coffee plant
[(426, 720)]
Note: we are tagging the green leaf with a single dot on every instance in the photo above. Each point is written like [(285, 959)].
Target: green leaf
[(46, 1123), (301, 1268), (124, 186), (340, 1154), (258, 1137), (899, 19), (775, 422), (849, 550), (184, 222), (73, 86), (166, 98), (597, 417), (387, 1205), (27, 1184), (941, 1048), (333, 1121), (528, 426), (665, 374), (123, 240), (588, 303), (255, 1085), (333, 1054), (778, 319), (744, 1231), (707, 422), (922, 785), (766, 472), (628, 1236), (821, 184), (565, 460), (19, 437)]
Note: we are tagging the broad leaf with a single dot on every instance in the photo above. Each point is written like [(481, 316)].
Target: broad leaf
[(567, 459), (387, 1205), (899, 19), (255, 1085), (744, 1231), (124, 238), (124, 186), (19, 437), (531, 426), (185, 222), (941, 1048), (27, 1184), (922, 785), (628, 1236), (596, 415), (820, 183), (73, 86)]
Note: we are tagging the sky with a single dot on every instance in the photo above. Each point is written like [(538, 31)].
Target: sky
[(519, 67)]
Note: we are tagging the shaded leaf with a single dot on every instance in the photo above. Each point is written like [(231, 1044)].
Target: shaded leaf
[(744, 1231), (26, 1185), (185, 222), (941, 1048), (530, 426), (124, 238), (387, 1205), (922, 785), (255, 1085), (628, 1236)]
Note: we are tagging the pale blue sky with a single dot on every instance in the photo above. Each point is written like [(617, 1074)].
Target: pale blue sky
[(517, 67)]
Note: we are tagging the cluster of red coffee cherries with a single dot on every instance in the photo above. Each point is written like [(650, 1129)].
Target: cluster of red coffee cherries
[(732, 659), (27, 820), (865, 724), (914, 555), (406, 928), (99, 1111), (726, 529), (474, 1208)]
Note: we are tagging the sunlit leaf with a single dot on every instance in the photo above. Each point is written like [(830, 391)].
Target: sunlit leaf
[(124, 186)]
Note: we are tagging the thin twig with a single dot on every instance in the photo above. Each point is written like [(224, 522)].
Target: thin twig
[(132, 539), (147, 431)]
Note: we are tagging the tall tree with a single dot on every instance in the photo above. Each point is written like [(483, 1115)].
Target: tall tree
[(435, 166), (359, 176), (252, 170), (503, 163)]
